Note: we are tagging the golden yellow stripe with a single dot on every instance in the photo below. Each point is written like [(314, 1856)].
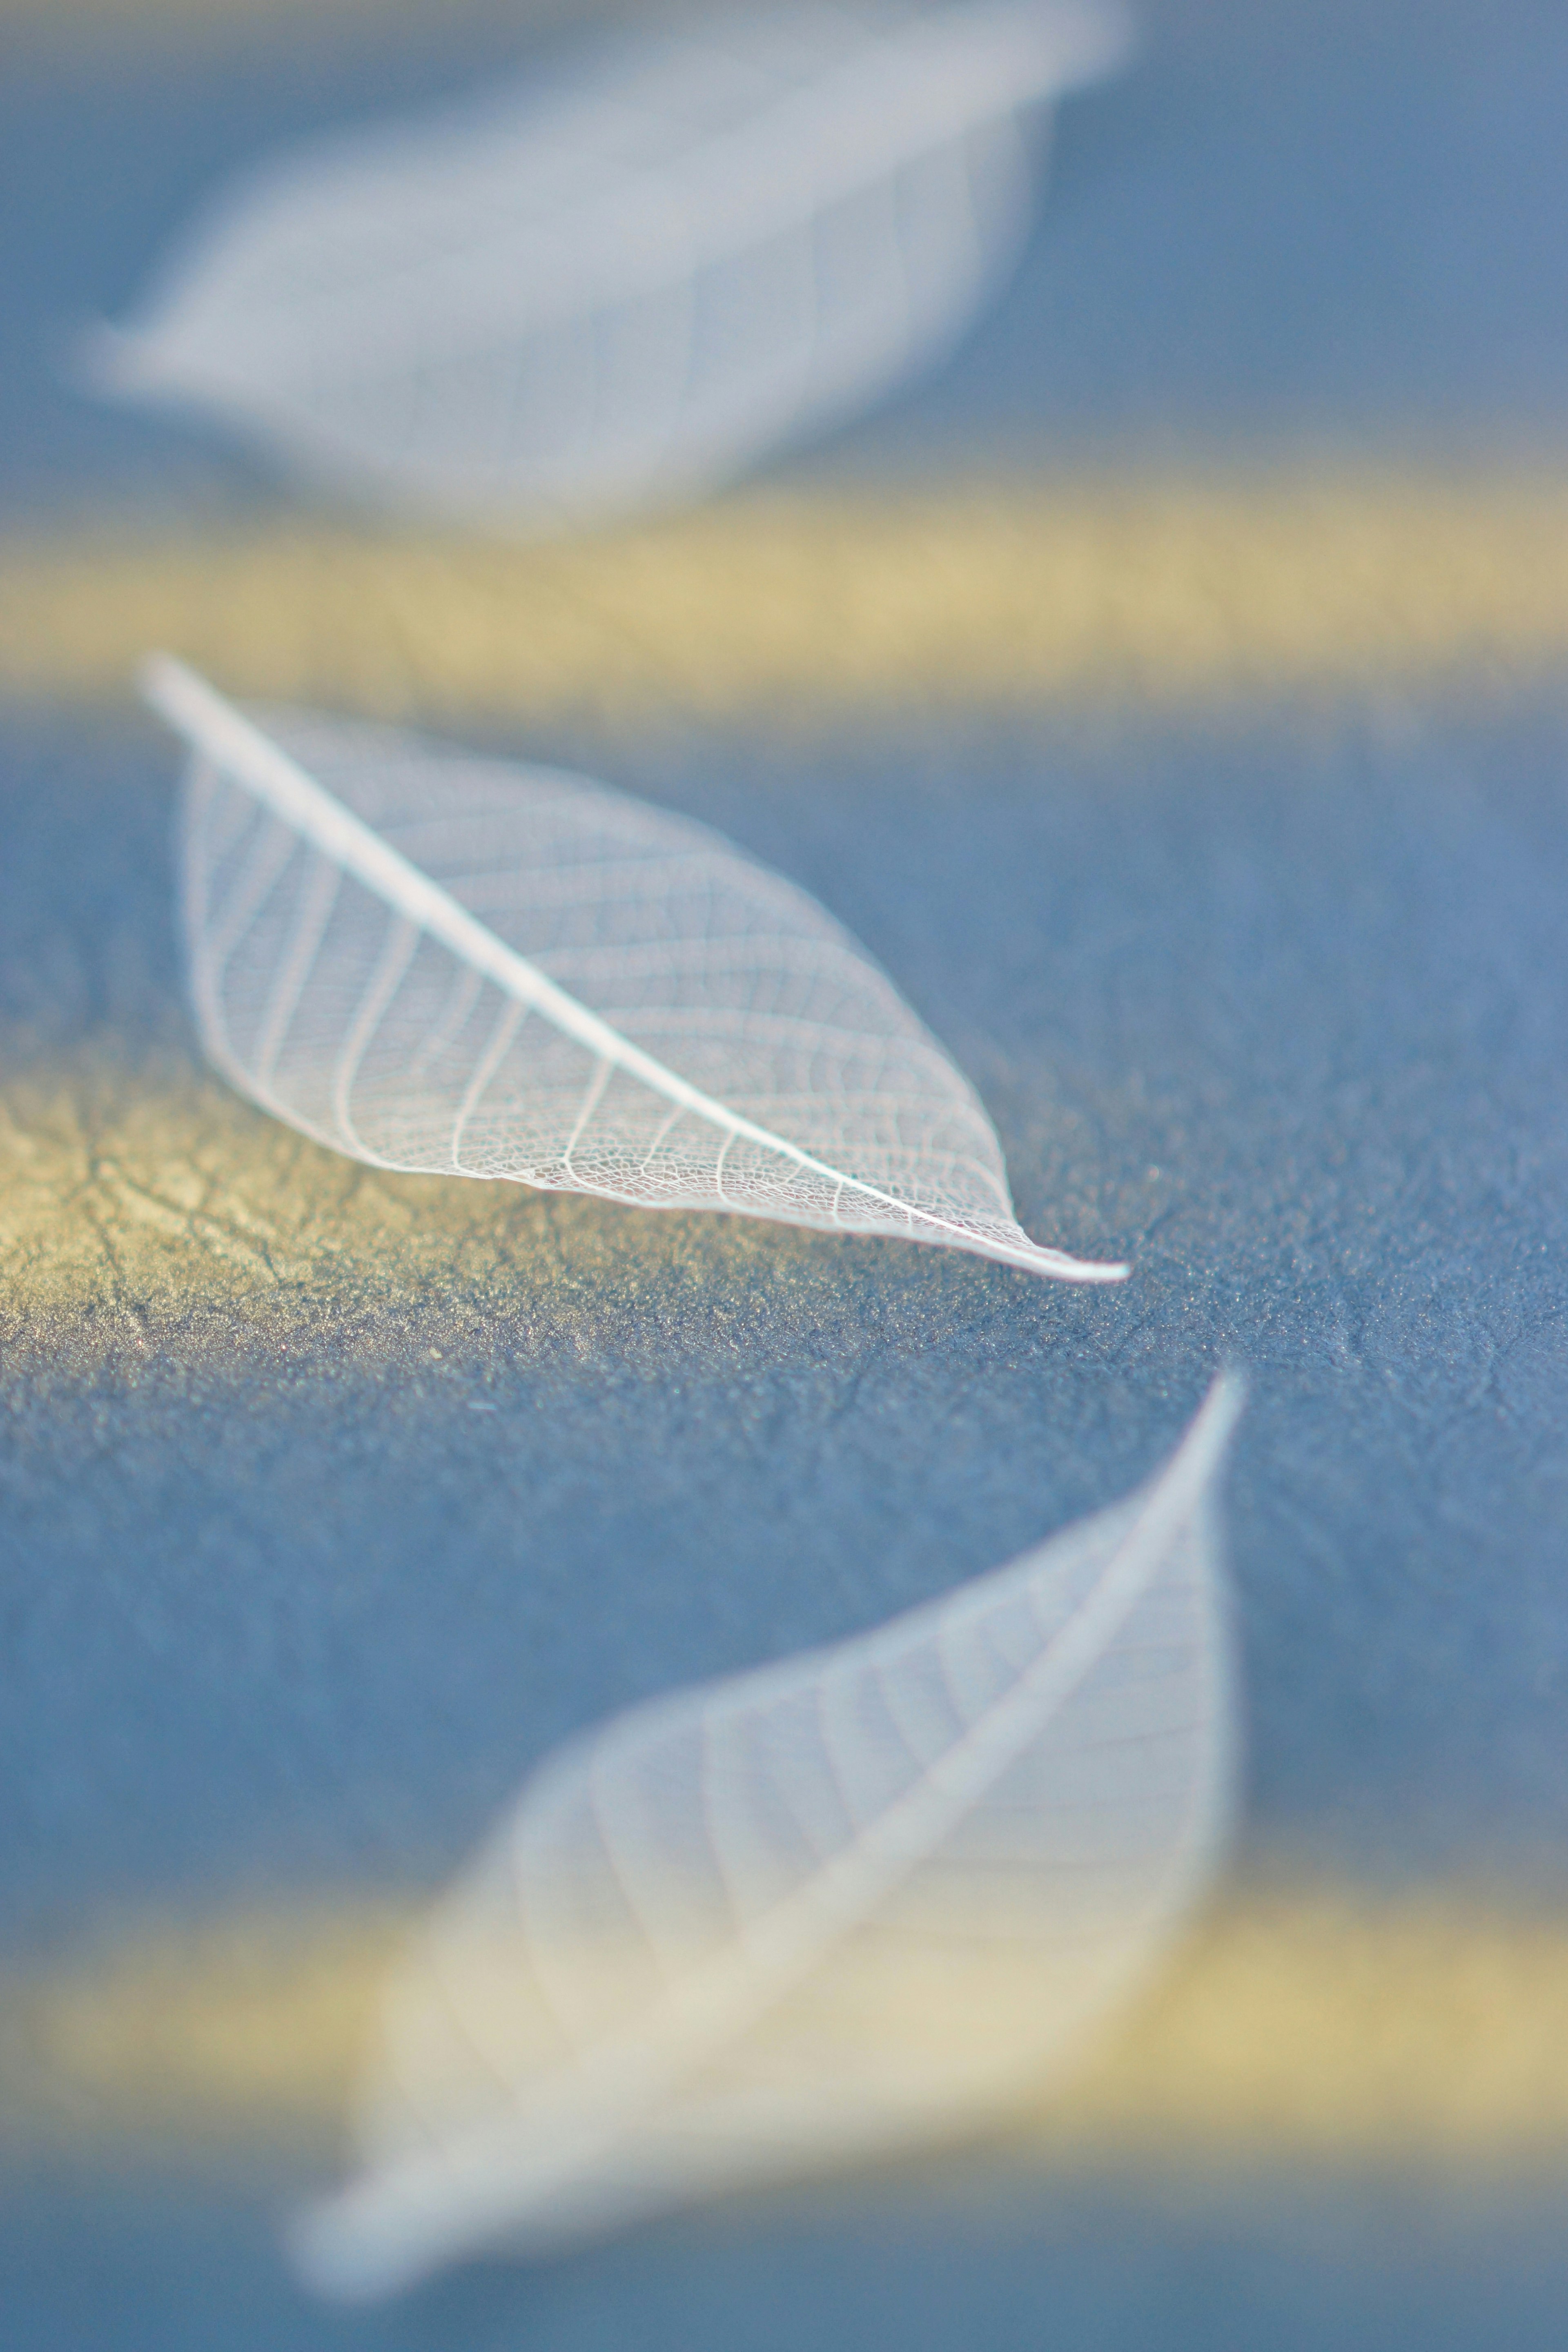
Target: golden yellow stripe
[(1333, 2025), (150, 1216), (132, 1197), (1307, 2023), (1163, 592)]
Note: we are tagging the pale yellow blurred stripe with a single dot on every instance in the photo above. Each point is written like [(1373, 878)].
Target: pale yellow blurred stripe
[(148, 1215), (1157, 590), (1304, 2023)]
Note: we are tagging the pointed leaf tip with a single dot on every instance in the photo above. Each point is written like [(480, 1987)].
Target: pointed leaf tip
[(1223, 1405)]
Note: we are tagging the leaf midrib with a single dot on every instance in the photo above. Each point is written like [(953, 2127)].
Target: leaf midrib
[(223, 734)]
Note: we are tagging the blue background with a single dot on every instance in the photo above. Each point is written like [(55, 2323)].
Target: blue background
[(1274, 1000)]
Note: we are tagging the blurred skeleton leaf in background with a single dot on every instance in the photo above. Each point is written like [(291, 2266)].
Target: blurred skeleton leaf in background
[(613, 288), (676, 1968)]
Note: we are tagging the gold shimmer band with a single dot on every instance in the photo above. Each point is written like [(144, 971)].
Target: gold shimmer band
[(1001, 595), (154, 1225), (1313, 2024)]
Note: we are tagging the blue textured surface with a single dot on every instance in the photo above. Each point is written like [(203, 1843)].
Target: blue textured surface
[(1279, 1004), (1299, 2269), (1279, 1012)]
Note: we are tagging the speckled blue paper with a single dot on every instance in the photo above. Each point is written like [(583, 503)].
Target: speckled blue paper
[(1277, 1010), (1274, 1000)]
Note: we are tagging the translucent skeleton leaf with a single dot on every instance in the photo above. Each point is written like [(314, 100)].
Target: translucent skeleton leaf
[(611, 288), (877, 1893), (440, 963)]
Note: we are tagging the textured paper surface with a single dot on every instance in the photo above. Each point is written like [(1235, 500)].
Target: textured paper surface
[(1266, 991)]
